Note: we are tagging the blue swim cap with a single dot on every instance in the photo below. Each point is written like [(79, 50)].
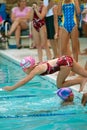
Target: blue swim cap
[(64, 93)]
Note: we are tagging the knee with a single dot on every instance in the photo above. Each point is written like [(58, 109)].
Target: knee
[(18, 27), (18, 20), (59, 85)]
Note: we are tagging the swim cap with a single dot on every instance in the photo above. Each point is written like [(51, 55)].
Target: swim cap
[(64, 93), (27, 62)]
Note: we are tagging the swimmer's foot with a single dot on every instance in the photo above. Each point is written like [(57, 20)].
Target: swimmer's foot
[(82, 85)]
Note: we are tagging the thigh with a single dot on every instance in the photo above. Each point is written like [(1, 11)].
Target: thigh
[(62, 75), (43, 35), (63, 40), (36, 36), (74, 37), (24, 25)]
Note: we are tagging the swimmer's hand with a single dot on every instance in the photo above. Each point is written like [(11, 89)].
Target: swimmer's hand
[(8, 88)]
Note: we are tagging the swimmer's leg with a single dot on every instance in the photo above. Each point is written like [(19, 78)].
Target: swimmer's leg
[(82, 85), (62, 75), (62, 82)]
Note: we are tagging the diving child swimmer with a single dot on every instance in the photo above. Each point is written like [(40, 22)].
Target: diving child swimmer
[(63, 65)]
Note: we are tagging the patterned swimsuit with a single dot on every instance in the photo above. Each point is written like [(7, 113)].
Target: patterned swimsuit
[(37, 22), (69, 16), (62, 61)]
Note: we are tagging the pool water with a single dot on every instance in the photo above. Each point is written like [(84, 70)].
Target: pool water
[(35, 106)]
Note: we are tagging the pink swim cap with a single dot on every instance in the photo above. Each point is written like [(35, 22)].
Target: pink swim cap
[(27, 62), (64, 93)]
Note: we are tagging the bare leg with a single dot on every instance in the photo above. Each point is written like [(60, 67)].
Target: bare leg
[(36, 40), (84, 99), (62, 82), (62, 75), (75, 43), (15, 24), (79, 69), (13, 27), (54, 48), (83, 84), (17, 35), (44, 43), (64, 42)]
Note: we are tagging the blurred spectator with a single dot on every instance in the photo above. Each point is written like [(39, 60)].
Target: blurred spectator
[(84, 21), (69, 9), (39, 29), (50, 4), (20, 18)]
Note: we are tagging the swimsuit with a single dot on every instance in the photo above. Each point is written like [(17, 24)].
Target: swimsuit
[(62, 61), (69, 16), (37, 22)]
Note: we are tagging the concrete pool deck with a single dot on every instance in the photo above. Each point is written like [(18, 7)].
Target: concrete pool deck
[(18, 54)]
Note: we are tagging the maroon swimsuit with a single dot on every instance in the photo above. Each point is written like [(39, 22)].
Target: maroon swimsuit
[(37, 22), (62, 61)]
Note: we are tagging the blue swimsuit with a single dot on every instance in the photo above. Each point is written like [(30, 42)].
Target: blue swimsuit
[(69, 16)]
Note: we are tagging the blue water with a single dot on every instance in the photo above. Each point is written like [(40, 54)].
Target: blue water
[(35, 106)]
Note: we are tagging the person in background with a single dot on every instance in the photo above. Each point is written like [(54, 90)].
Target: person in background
[(69, 9), (84, 22), (50, 26), (39, 29), (20, 17), (63, 65), (58, 29)]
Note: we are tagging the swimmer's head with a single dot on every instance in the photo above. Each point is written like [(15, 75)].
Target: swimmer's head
[(65, 94), (27, 62)]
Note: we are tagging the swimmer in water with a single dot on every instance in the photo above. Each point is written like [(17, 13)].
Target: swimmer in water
[(66, 95)]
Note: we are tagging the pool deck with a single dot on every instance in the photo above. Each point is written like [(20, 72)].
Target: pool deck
[(18, 54)]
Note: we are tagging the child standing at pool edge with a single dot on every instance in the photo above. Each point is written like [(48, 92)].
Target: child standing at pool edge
[(63, 64)]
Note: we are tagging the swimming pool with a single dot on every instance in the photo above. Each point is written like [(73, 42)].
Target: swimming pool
[(35, 106)]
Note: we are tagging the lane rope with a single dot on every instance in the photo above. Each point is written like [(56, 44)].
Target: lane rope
[(37, 115)]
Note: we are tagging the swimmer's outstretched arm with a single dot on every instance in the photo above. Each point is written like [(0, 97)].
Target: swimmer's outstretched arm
[(29, 77), (19, 84)]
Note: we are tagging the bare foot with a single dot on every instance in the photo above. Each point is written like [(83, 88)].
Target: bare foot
[(84, 99), (82, 85)]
